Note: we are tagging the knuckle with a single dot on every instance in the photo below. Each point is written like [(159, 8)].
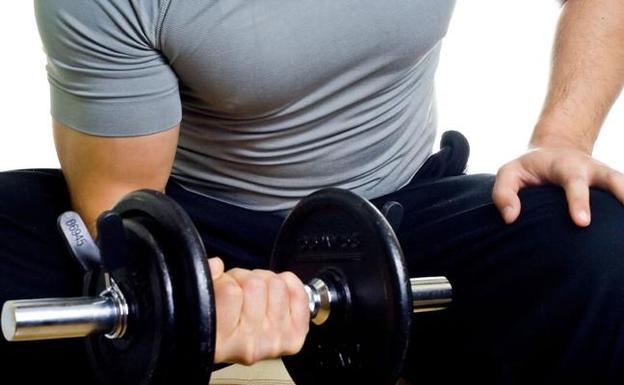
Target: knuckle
[(301, 308), (263, 273), (236, 270), (249, 356), (614, 177), (293, 345), (289, 350), (231, 290), (278, 285), (255, 284), (291, 280), (507, 168), (577, 176), (288, 276), (576, 181)]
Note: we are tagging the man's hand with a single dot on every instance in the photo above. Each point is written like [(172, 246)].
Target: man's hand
[(587, 77), (571, 168), (260, 314)]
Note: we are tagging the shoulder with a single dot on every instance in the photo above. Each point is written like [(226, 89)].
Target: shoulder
[(106, 73), (130, 22)]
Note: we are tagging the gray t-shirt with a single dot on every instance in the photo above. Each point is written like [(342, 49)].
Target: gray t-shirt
[(276, 98)]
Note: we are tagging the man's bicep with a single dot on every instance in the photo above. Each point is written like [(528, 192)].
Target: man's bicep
[(100, 170), (114, 98)]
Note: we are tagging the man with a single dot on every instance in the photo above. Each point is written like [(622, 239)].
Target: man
[(252, 105)]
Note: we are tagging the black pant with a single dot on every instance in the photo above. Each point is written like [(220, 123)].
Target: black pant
[(537, 302)]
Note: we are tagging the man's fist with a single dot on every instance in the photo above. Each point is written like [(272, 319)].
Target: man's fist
[(260, 314)]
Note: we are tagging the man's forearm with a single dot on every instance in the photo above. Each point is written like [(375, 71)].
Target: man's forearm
[(587, 74)]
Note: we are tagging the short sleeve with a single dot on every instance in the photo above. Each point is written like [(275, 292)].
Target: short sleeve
[(106, 74)]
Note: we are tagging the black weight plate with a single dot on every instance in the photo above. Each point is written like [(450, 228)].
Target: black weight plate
[(336, 235), (186, 260), (188, 354), (141, 356)]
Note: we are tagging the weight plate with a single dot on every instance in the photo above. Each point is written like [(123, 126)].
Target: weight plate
[(343, 239), (189, 359), (143, 354)]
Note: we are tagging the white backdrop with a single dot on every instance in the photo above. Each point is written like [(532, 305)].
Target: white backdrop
[(491, 84)]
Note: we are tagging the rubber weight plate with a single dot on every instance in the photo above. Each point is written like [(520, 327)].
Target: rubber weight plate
[(143, 355), (189, 358), (337, 236)]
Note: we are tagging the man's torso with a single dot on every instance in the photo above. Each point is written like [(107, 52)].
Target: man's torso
[(281, 98)]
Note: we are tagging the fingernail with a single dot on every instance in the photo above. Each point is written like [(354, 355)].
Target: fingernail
[(583, 216)]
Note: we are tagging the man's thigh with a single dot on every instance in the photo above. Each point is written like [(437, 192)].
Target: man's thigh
[(33, 256), (535, 302), (34, 263)]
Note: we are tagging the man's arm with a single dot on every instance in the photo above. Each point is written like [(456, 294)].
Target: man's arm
[(587, 76), (119, 104), (260, 314), (100, 170), (587, 73)]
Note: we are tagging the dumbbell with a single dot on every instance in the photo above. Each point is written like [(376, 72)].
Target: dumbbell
[(346, 248), (148, 311)]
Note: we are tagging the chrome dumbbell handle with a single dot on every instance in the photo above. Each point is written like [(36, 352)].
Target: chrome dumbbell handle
[(55, 318), (428, 294)]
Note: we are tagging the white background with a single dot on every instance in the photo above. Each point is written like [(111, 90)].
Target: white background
[(491, 84)]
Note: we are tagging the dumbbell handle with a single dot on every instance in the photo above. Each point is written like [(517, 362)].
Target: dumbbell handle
[(428, 294), (55, 318), (52, 318)]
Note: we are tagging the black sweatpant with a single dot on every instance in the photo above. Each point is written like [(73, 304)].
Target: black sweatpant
[(536, 302)]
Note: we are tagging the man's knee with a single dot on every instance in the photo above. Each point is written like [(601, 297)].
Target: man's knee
[(588, 258)]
